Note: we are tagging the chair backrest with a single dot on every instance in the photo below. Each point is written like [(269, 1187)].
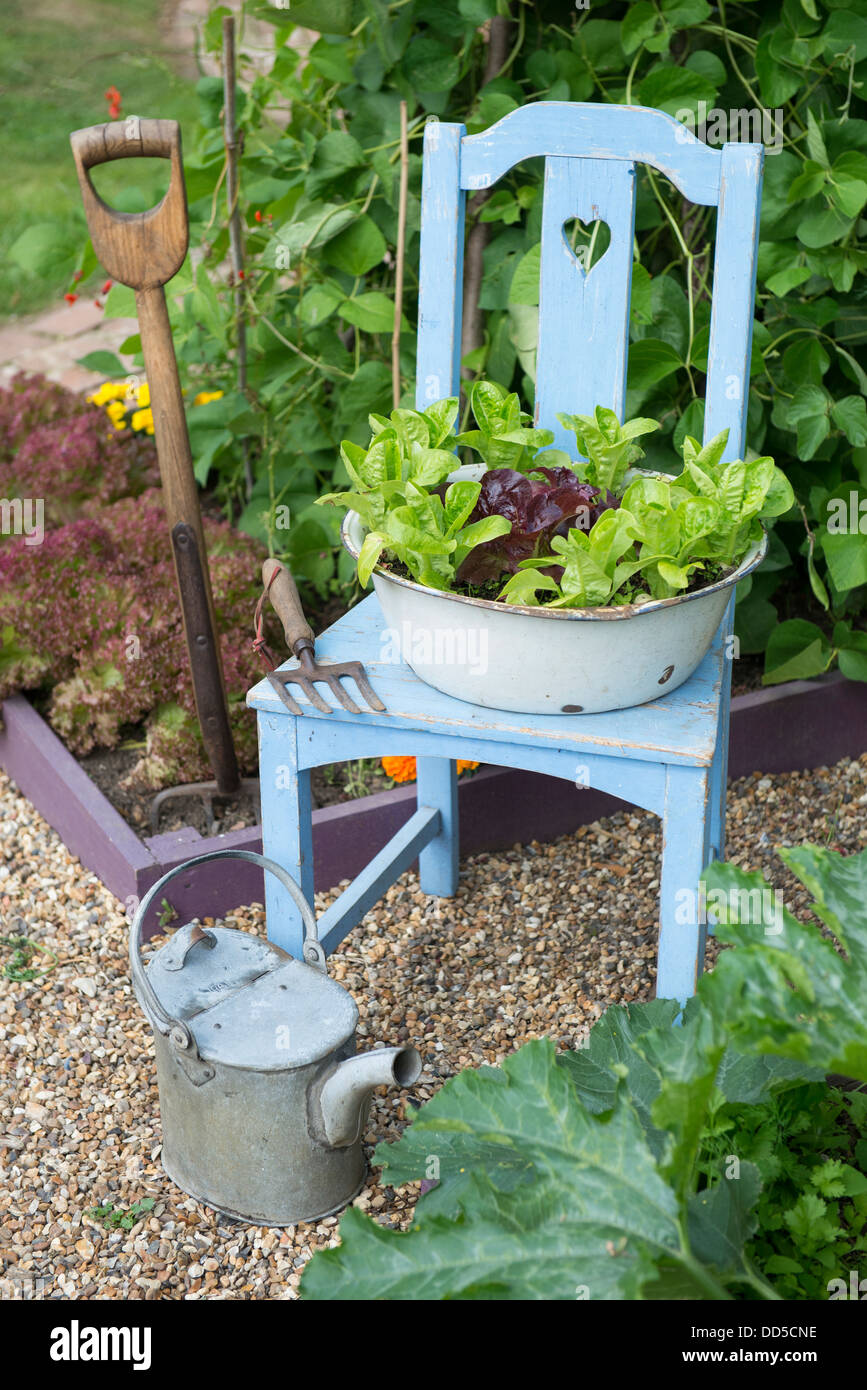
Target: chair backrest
[(590, 153)]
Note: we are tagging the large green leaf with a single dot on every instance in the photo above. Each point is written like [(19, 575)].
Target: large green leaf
[(614, 1042), (822, 227), (524, 288), (430, 66), (755, 620), (120, 303), (846, 32), (789, 990), (312, 227), (47, 246), (671, 88), (669, 313), (318, 304), (808, 413), (372, 312), (850, 414), (777, 80), (357, 249), (851, 651), (106, 363), (722, 1218), (846, 557), (650, 361), (369, 390), (336, 153), (797, 650), (325, 16), (597, 1216)]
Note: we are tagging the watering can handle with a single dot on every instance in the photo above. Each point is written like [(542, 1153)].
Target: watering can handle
[(177, 1031)]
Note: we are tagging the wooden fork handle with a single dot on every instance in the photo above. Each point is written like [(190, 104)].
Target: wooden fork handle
[(284, 597)]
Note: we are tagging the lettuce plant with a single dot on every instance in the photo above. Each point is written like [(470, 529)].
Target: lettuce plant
[(608, 447), (95, 626), (430, 534), (402, 499), (704, 520), (538, 508), (502, 437), (57, 447), (593, 565), (537, 526)]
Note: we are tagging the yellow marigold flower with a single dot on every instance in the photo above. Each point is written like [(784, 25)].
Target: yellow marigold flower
[(108, 391), (205, 396), (143, 420), (143, 395), (116, 412), (403, 769)]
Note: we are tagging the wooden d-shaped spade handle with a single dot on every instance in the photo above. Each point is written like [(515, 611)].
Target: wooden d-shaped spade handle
[(144, 250), (140, 249)]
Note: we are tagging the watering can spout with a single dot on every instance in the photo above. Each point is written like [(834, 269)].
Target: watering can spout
[(343, 1097)]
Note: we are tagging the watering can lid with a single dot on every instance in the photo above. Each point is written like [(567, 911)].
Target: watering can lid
[(249, 1003)]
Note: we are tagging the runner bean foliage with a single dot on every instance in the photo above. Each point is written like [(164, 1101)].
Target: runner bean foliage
[(319, 192)]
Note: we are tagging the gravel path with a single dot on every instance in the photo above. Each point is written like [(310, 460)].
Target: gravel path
[(537, 941)]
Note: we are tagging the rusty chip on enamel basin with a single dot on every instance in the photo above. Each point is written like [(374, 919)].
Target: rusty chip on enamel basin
[(572, 709), (666, 675)]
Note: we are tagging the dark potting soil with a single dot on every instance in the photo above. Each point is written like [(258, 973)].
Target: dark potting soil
[(491, 590), (109, 767)]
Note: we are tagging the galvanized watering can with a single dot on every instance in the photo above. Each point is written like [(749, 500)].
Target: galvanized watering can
[(263, 1100)]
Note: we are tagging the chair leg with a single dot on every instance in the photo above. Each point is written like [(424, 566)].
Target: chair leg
[(287, 831), (686, 828), (717, 799), (719, 768), (437, 782)]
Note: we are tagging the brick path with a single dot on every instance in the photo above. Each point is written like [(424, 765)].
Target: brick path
[(51, 343)]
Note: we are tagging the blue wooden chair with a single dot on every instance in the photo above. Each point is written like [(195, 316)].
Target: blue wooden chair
[(668, 756)]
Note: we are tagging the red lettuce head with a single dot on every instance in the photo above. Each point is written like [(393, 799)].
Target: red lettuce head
[(538, 508)]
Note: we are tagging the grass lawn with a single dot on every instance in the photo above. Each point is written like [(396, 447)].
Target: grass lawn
[(57, 59)]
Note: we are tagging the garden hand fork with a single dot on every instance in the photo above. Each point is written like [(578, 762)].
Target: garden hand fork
[(279, 586), (144, 251)]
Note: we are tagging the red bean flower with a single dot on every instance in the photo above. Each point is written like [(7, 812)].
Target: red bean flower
[(114, 99)]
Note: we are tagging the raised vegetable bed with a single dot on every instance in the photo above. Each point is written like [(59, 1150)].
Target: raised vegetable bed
[(788, 727)]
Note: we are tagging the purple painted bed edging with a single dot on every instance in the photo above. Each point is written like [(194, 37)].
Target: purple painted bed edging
[(785, 728)]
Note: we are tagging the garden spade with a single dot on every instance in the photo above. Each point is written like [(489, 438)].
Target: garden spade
[(144, 251)]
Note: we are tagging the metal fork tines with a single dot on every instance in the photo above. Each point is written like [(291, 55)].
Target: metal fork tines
[(310, 672)]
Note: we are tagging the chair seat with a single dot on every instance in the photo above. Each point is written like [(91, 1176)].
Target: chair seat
[(678, 728)]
